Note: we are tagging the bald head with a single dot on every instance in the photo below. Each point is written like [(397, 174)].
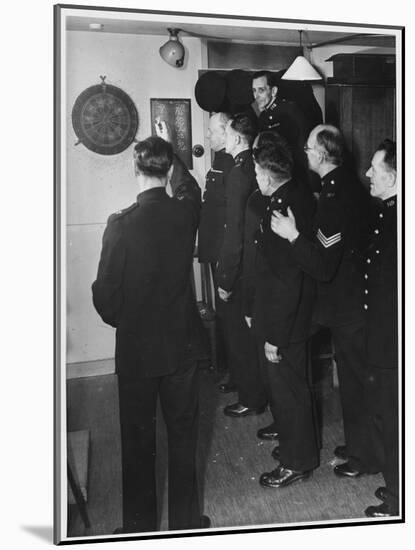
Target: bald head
[(325, 148)]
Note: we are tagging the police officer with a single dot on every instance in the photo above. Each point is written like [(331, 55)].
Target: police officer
[(143, 289), (212, 225), (276, 113), (281, 315), (381, 307), (334, 258), (241, 182), (212, 219), (286, 118)]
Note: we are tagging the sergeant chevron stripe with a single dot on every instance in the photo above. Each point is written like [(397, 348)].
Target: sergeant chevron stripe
[(328, 241)]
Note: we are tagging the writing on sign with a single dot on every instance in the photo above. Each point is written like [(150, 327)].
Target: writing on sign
[(176, 114)]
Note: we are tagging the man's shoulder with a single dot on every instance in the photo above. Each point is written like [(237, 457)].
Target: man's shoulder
[(120, 214), (223, 162)]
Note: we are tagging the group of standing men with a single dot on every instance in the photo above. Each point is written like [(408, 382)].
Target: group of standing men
[(284, 264)]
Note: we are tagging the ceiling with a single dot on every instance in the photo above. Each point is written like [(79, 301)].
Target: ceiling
[(256, 34)]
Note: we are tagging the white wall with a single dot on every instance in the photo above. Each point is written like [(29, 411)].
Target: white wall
[(98, 185)]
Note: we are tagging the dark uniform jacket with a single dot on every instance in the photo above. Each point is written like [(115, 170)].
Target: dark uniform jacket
[(381, 288), (240, 184), (280, 295), (287, 119), (335, 256), (213, 213), (143, 281)]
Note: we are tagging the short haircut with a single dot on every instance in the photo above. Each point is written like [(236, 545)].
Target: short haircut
[(153, 157), (271, 137), (222, 117), (245, 125), (389, 159), (274, 155), (268, 75), (332, 141)]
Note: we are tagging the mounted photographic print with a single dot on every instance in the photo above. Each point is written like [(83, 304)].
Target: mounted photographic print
[(228, 274)]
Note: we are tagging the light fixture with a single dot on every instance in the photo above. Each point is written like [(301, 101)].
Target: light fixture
[(301, 68), (172, 52)]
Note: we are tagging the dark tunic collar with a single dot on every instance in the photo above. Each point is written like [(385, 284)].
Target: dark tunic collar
[(390, 202), (330, 176), (281, 192), (155, 193), (240, 157)]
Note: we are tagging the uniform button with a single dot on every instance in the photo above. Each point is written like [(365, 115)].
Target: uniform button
[(366, 306), (224, 225), (377, 251), (368, 260), (279, 200), (366, 291), (267, 207), (332, 182), (376, 231), (270, 117), (381, 215), (255, 242), (366, 276)]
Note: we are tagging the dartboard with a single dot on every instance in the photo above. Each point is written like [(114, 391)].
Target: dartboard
[(105, 119)]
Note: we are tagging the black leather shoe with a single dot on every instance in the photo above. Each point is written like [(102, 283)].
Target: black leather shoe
[(341, 452), (237, 409), (282, 477), (345, 470), (381, 493), (276, 453), (205, 522), (227, 387), (269, 432), (381, 511)]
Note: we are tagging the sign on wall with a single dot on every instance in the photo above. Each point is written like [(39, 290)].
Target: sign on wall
[(176, 114)]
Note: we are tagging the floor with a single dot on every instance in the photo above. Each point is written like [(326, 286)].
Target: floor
[(231, 459)]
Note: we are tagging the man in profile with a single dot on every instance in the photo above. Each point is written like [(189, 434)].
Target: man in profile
[(143, 289), (381, 306), (212, 227), (334, 258), (241, 131)]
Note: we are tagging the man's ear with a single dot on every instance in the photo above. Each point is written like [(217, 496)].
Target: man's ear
[(136, 171), (170, 173), (274, 91), (391, 178)]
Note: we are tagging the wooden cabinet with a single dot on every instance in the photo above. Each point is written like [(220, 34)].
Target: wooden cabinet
[(366, 115)]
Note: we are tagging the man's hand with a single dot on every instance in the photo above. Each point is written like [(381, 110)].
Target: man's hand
[(248, 321), (224, 294), (284, 226), (161, 129), (271, 353)]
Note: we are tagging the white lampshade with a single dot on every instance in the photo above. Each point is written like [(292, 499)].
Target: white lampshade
[(301, 69)]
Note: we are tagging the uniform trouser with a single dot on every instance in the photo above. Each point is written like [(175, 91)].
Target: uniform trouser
[(220, 333), (178, 394), (383, 398), (243, 358), (292, 403), (350, 348)]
